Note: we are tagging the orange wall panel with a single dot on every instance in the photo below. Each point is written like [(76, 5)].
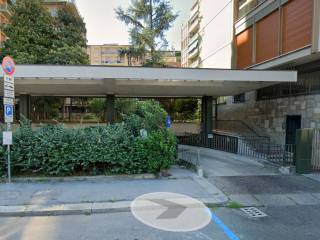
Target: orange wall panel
[(267, 37), (244, 43), (297, 24)]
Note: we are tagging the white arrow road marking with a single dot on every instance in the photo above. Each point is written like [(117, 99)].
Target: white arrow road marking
[(174, 210)]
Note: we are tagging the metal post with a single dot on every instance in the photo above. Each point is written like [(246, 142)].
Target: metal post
[(8, 128), (9, 164), (207, 115)]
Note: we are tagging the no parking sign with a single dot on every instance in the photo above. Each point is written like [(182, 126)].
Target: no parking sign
[(8, 66)]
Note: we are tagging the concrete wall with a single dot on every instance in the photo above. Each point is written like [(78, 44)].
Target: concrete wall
[(183, 128), (269, 116), (217, 33)]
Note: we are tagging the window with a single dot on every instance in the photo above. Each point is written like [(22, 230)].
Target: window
[(221, 100), (245, 6), (244, 43), (308, 83), (240, 98)]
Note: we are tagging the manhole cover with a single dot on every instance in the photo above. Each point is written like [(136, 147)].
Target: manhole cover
[(254, 212)]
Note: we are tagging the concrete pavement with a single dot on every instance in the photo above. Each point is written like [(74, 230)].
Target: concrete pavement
[(270, 190), (218, 163), (100, 195)]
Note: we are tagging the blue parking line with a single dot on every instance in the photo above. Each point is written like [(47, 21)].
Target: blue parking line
[(223, 227)]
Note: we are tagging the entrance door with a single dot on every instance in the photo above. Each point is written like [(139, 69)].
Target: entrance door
[(293, 123)]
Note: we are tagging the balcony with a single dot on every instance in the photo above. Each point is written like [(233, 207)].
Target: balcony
[(193, 52), (194, 12), (5, 9), (195, 4), (194, 26), (194, 64), (193, 39)]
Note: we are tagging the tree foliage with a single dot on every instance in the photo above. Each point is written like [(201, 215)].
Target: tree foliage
[(148, 21), (35, 37), (30, 33)]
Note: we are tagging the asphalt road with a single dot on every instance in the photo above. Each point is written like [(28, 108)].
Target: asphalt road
[(272, 184), (294, 223)]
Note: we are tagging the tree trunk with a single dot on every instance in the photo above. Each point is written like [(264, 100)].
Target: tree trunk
[(152, 48)]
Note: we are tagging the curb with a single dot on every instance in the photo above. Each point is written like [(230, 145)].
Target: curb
[(78, 208), (80, 178)]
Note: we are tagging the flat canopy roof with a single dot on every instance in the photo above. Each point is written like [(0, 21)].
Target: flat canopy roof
[(56, 80)]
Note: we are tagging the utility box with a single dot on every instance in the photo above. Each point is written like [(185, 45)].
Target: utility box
[(304, 139)]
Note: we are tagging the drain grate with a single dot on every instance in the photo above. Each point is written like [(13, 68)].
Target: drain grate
[(254, 212)]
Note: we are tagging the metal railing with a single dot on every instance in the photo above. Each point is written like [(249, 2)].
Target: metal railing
[(263, 148), (315, 159), (213, 141), (256, 147), (190, 156)]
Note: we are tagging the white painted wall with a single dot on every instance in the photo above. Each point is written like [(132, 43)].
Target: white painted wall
[(217, 33)]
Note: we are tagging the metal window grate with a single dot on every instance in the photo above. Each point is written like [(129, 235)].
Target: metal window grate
[(254, 212)]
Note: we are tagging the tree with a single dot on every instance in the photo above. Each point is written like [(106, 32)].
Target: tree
[(148, 21), (132, 53), (71, 29), (70, 39), (30, 33), (35, 37)]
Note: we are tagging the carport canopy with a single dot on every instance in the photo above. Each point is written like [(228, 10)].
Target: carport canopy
[(56, 80)]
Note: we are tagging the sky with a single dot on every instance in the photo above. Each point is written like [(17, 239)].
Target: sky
[(103, 27)]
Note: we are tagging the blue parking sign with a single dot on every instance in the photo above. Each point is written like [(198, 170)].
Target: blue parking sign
[(168, 122), (8, 113)]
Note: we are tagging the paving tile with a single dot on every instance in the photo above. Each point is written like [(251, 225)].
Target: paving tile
[(316, 195), (245, 199), (274, 200), (304, 198)]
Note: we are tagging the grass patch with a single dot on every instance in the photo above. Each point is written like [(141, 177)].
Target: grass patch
[(234, 205)]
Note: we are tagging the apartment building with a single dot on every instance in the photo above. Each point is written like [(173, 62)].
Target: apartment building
[(53, 6), (184, 45), (5, 13), (207, 37), (110, 55), (266, 34)]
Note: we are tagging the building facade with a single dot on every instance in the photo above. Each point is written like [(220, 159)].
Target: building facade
[(5, 13), (207, 37), (110, 55), (267, 34), (53, 6), (278, 35), (184, 45)]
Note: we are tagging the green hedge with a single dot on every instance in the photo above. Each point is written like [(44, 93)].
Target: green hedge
[(112, 149)]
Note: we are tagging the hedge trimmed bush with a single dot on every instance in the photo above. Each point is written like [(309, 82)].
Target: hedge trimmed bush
[(111, 149)]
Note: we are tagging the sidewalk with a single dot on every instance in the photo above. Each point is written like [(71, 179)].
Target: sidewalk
[(96, 195)]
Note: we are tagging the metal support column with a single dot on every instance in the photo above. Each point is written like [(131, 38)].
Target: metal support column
[(215, 125), (207, 114), (25, 105), (110, 109)]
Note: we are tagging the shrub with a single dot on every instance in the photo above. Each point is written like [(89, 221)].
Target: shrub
[(112, 149)]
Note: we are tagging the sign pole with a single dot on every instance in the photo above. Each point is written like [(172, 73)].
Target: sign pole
[(9, 164), (8, 67)]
